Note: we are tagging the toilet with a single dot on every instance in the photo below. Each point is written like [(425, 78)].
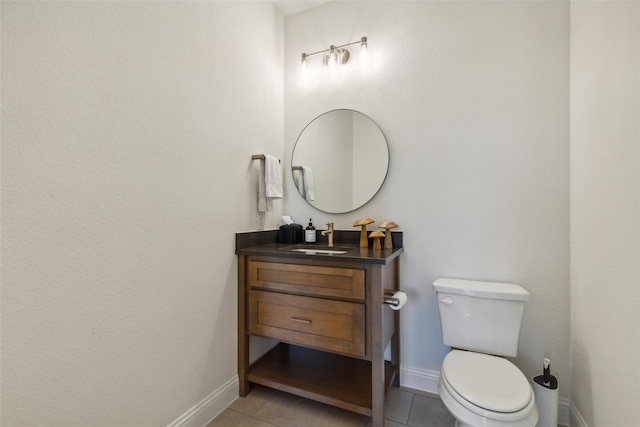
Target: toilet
[(478, 385)]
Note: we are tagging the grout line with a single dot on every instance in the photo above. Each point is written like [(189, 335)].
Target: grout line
[(250, 416), (415, 391), (264, 421), (269, 398), (410, 406)]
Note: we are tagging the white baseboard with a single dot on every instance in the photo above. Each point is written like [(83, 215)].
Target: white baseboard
[(427, 380), (419, 379), (577, 420), (209, 407), (564, 406)]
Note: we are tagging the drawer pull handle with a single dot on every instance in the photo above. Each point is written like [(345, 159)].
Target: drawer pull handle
[(296, 319)]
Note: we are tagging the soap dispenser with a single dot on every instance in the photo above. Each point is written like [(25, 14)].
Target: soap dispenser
[(310, 233)]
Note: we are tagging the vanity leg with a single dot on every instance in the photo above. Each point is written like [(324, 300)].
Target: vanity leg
[(378, 388), (243, 367), (378, 393), (395, 340), (395, 351), (243, 337)]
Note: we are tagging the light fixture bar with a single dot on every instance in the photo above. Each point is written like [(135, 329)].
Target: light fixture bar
[(333, 60), (363, 40)]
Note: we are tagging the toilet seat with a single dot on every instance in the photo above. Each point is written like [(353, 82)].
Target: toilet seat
[(490, 382), (487, 387)]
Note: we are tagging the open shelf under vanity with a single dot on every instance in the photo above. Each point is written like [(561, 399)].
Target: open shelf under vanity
[(329, 378)]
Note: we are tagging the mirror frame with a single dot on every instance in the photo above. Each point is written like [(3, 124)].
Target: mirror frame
[(386, 173)]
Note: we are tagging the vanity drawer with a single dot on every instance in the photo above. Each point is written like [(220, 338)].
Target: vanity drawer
[(315, 322), (307, 279)]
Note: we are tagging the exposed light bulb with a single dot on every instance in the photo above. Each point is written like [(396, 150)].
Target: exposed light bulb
[(304, 71), (332, 60), (333, 64), (365, 56)]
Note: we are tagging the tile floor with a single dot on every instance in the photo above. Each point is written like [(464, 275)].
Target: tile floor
[(265, 407)]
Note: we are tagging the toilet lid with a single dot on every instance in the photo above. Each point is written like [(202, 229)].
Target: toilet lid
[(490, 382)]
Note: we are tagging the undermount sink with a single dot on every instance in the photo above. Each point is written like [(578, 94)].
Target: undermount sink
[(317, 250)]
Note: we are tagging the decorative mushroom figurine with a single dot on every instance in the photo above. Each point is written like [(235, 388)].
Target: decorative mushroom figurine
[(376, 236), (388, 225), (364, 243)]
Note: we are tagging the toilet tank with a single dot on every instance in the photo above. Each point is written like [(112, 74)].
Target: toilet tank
[(480, 316)]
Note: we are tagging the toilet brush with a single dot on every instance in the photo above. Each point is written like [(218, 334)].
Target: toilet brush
[(545, 388)]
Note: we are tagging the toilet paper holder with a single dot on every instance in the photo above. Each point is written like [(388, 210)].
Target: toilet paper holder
[(389, 298)]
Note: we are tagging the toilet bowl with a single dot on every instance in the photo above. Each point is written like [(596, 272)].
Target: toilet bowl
[(485, 390), (480, 321)]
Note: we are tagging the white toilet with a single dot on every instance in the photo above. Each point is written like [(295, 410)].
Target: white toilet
[(481, 322)]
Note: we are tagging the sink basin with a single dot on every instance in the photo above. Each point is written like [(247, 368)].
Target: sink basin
[(317, 249), (320, 251)]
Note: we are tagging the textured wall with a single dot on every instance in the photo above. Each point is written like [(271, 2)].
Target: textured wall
[(605, 213), (127, 131), (473, 98)]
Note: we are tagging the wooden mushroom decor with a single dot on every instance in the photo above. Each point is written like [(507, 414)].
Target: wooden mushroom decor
[(364, 243), (388, 225), (376, 236)]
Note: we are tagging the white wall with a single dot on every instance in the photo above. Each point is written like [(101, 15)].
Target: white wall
[(473, 99), (127, 132), (605, 213)]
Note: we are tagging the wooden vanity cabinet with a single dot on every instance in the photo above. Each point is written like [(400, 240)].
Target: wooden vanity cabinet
[(332, 325)]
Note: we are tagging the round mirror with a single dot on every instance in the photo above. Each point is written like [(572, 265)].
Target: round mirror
[(340, 161)]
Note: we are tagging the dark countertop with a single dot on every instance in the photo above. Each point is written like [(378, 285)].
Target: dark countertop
[(263, 243)]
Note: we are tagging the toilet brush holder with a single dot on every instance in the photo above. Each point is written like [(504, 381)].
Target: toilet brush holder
[(545, 389)]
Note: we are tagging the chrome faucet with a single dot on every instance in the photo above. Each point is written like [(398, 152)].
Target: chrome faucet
[(329, 233)]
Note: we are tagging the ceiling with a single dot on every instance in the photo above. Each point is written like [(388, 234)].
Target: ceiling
[(290, 7)]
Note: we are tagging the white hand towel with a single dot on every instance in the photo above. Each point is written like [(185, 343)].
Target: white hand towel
[(269, 183), (272, 178), (298, 180), (308, 184), (262, 196)]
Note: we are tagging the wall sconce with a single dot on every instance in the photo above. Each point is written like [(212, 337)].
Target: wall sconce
[(334, 59)]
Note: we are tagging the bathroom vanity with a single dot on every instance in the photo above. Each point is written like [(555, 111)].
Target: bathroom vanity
[(328, 312)]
